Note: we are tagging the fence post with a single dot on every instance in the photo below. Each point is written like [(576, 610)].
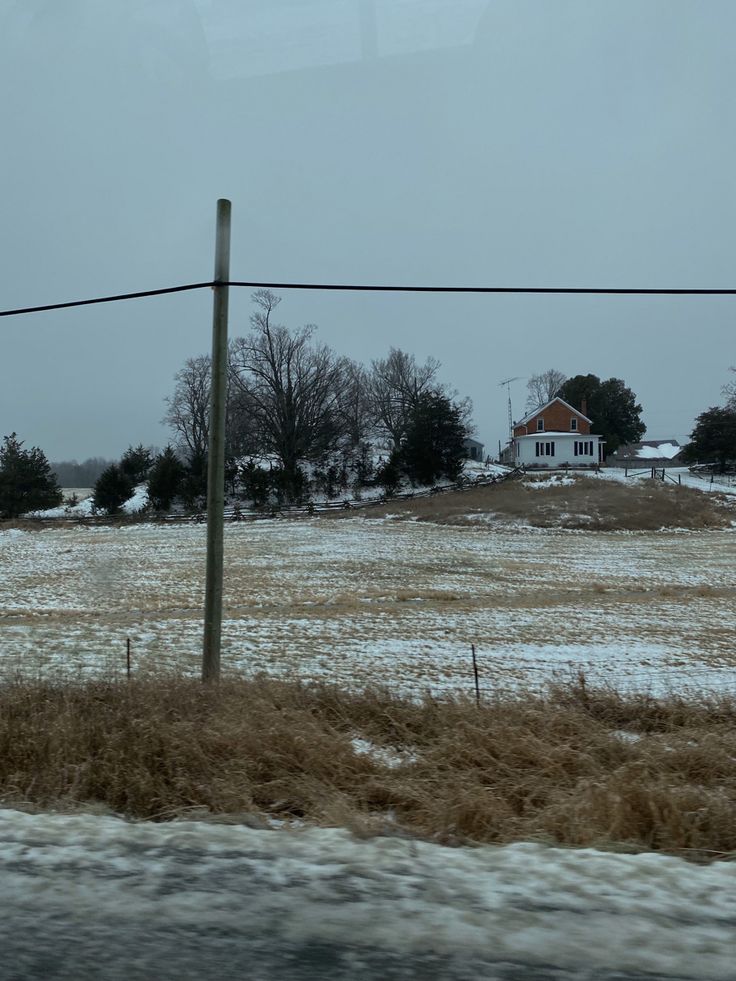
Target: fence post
[(127, 657), (475, 672)]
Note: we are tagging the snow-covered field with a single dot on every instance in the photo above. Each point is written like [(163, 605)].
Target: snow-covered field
[(720, 483), (378, 601)]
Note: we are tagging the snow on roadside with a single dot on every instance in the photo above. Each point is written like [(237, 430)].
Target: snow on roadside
[(526, 903)]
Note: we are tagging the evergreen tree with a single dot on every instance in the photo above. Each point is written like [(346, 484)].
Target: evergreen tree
[(27, 482), (165, 480), (255, 483), (136, 463), (434, 442), (113, 488), (714, 438), (194, 484), (388, 474), (611, 406)]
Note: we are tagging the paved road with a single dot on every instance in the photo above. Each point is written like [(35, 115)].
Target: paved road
[(90, 897)]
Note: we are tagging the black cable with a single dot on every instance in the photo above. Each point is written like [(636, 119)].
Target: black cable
[(357, 288), (481, 289), (105, 299)]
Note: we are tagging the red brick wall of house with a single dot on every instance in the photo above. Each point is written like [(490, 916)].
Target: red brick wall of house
[(556, 419)]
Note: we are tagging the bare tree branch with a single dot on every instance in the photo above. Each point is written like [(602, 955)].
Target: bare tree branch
[(544, 387), (290, 384), (395, 384)]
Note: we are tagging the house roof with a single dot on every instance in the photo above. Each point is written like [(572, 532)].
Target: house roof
[(541, 408), (650, 449)]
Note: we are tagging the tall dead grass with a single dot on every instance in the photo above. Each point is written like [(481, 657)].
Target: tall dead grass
[(576, 767)]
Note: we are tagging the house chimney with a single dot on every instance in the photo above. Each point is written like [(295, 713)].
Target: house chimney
[(584, 406)]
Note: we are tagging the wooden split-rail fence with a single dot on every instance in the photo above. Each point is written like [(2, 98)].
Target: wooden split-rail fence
[(234, 512)]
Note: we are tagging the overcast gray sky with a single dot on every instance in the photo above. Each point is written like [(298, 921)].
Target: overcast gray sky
[(497, 142)]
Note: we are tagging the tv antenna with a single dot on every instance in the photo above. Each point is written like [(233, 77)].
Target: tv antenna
[(507, 383)]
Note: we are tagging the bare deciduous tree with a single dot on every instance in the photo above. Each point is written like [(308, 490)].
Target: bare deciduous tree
[(290, 385), (542, 388), (729, 390), (188, 411), (354, 403), (188, 408), (395, 384)]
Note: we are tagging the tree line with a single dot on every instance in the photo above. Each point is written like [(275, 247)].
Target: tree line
[(291, 400), (301, 420), (713, 440), (71, 473)]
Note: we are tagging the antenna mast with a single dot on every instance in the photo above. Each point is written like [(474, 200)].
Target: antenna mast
[(507, 383)]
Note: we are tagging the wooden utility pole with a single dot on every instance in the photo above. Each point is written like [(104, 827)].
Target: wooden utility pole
[(216, 453)]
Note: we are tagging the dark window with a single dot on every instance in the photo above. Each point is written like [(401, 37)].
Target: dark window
[(540, 425), (573, 425)]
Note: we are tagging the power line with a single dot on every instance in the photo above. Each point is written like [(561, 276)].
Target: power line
[(365, 288), (105, 299), (354, 288)]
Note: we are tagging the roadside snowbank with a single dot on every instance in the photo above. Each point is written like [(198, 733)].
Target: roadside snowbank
[(526, 903)]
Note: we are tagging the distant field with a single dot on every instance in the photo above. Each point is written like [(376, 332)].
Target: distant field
[(79, 492), (364, 601)]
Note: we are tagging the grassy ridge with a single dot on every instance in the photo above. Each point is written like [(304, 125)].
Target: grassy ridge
[(586, 503), (575, 767)]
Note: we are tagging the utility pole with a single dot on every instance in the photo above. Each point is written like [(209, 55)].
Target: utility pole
[(216, 451)]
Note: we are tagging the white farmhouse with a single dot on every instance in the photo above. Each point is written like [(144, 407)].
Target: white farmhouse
[(556, 435)]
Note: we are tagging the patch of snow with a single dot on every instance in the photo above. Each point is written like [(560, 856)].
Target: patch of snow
[(138, 502), (554, 480), (81, 510), (625, 736), (675, 475), (390, 758), (664, 451)]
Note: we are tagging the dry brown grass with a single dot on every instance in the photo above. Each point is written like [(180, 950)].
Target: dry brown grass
[(594, 505), (552, 768)]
